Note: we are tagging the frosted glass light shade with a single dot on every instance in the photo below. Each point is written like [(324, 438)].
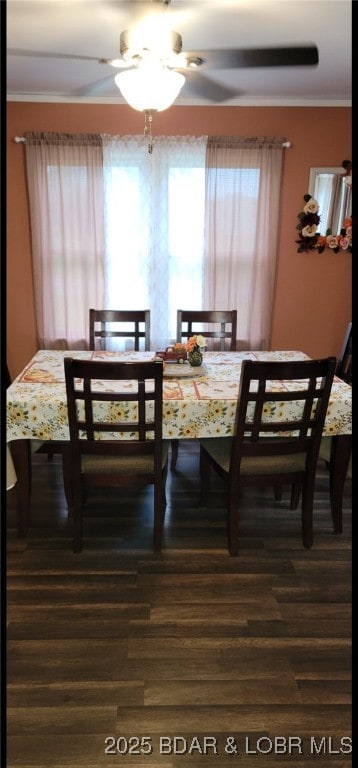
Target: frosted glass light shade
[(150, 88)]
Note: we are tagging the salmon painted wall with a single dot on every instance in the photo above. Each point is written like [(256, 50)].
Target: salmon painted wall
[(313, 300)]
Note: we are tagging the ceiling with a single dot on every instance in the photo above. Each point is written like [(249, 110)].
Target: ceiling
[(38, 29)]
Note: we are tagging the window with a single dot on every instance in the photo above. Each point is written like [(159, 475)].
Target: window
[(192, 225), (135, 273)]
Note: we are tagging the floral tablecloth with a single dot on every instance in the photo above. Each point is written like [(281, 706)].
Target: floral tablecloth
[(194, 407)]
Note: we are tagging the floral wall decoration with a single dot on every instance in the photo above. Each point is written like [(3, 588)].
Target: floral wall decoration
[(310, 238)]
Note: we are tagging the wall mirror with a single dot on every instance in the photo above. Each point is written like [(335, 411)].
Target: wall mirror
[(333, 195)]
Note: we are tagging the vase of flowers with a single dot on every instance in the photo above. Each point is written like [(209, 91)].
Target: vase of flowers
[(195, 346)]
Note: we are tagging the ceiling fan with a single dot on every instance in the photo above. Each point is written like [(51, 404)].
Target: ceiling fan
[(143, 48)]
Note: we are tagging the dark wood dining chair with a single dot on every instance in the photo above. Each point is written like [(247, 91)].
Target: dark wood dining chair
[(344, 364), (217, 326), (344, 372), (125, 324), (115, 412), (263, 451)]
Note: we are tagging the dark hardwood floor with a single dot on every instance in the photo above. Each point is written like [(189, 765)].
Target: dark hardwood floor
[(209, 660)]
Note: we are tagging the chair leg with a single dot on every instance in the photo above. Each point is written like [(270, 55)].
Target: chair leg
[(307, 513), (159, 512), (341, 449), (157, 533), (21, 454), (295, 495), (67, 480), (175, 450)]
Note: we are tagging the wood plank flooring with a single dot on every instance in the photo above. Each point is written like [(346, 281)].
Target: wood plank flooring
[(188, 660)]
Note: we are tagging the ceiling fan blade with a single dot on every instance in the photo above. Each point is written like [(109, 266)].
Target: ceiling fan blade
[(198, 84), (46, 55), (99, 88), (293, 56)]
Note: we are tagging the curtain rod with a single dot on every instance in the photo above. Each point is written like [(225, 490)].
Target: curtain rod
[(22, 140)]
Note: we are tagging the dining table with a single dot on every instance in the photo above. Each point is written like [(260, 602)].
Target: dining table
[(197, 402)]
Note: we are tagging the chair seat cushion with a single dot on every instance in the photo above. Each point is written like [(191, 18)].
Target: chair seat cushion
[(122, 465), (220, 450)]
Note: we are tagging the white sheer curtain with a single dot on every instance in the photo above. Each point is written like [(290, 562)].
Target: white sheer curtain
[(243, 178), (193, 225), (65, 183), (154, 227)]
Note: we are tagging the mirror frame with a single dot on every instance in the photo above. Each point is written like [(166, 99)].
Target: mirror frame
[(335, 171)]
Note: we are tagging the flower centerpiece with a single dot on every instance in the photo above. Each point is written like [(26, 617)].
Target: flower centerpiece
[(195, 346), (310, 238)]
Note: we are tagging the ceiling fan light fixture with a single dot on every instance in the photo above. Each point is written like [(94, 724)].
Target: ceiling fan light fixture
[(151, 86), (162, 43)]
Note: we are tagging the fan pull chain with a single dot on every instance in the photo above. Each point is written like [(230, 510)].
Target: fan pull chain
[(148, 119)]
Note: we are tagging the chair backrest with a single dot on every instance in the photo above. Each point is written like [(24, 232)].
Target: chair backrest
[(296, 394), (223, 325), (126, 324), (114, 409), (344, 364)]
